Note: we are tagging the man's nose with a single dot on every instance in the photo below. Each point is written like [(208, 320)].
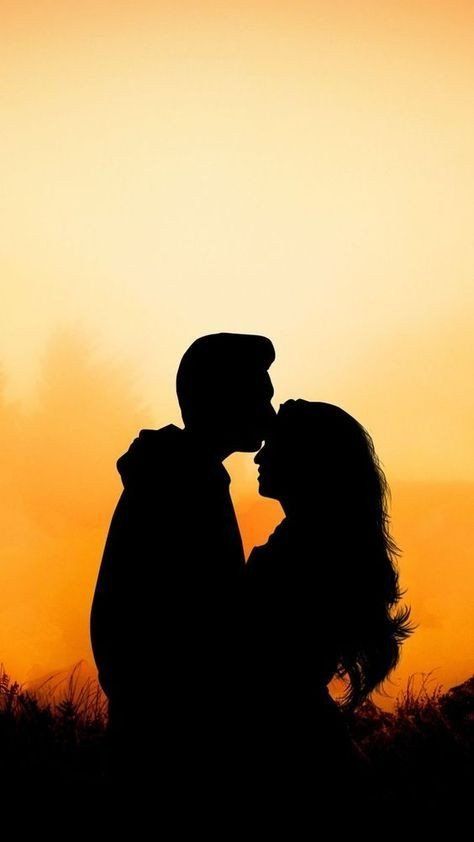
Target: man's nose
[(270, 417)]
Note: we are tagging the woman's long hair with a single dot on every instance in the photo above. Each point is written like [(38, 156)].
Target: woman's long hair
[(344, 488)]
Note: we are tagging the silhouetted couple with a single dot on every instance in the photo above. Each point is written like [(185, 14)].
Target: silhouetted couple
[(216, 670)]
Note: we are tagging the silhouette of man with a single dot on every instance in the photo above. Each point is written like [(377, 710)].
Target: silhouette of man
[(164, 623)]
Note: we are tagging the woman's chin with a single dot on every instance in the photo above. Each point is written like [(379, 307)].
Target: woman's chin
[(264, 491)]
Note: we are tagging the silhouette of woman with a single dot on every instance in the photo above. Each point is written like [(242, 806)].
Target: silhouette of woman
[(319, 599)]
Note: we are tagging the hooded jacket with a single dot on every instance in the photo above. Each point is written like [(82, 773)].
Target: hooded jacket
[(164, 601)]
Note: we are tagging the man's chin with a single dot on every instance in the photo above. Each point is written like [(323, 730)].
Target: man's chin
[(250, 445)]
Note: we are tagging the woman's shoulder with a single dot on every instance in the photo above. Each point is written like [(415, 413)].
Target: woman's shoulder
[(273, 545), (256, 560)]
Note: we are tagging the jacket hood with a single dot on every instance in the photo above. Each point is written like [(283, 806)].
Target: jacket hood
[(149, 451)]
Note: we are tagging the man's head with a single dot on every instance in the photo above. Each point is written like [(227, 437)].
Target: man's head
[(224, 389)]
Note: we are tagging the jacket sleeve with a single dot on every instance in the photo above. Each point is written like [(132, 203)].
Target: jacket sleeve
[(133, 611), (118, 604)]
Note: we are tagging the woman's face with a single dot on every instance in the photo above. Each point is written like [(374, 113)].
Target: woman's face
[(310, 459), (274, 477), (291, 469)]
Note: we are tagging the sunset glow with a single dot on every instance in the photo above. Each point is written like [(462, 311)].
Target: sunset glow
[(300, 170)]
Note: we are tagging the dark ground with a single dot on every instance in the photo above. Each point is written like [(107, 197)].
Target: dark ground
[(422, 754)]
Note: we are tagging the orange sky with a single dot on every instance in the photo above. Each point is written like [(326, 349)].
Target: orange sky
[(300, 170)]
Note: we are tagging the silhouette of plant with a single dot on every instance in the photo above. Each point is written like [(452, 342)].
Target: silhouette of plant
[(423, 751)]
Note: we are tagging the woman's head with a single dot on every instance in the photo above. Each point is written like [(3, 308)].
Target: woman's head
[(321, 464), (317, 455)]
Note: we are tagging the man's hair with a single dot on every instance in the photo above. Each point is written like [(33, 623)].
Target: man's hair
[(218, 365)]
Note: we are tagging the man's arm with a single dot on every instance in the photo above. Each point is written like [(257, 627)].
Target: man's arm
[(144, 582), (113, 606)]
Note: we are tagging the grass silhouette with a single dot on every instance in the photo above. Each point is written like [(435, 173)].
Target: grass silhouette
[(56, 736), (52, 736)]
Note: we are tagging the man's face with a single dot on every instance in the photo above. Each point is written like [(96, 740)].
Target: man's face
[(252, 413)]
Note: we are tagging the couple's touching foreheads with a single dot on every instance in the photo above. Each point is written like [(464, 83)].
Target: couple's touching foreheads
[(216, 668)]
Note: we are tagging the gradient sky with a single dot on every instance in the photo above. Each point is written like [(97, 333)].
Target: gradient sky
[(302, 170)]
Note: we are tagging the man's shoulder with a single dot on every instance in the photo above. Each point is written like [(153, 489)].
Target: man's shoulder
[(150, 439), (150, 453), (170, 458)]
